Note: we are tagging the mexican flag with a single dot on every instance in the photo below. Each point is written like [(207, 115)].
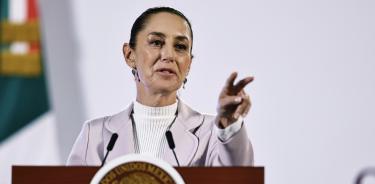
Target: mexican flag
[(23, 92), (25, 117)]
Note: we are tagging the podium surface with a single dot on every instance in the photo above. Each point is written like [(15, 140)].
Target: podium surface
[(83, 175)]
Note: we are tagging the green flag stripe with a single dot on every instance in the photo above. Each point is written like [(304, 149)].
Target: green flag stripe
[(4, 13), (4, 9)]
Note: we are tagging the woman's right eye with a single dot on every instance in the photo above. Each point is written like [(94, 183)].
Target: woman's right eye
[(156, 43)]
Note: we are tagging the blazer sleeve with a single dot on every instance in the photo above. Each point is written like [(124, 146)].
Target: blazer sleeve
[(78, 153), (236, 151)]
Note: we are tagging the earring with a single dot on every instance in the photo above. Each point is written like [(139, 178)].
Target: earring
[(135, 73), (185, 81)]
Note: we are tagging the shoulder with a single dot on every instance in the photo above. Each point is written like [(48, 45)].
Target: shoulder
[(193, 118), (110, 122), (184, 108), (97, 121)]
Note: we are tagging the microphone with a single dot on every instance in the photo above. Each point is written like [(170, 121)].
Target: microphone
[(171, 145), (364, 174), (110, 146)]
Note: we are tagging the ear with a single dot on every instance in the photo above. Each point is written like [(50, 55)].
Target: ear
[(188, 69), (129, 55)]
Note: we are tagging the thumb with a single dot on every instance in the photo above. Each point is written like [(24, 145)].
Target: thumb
[(230, 100)]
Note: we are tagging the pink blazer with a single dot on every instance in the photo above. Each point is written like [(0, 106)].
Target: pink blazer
[(197, 144)]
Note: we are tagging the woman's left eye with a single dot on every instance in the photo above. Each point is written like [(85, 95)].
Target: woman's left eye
[(181, 47)]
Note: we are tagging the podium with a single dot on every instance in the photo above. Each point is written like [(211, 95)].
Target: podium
[(83, 175)]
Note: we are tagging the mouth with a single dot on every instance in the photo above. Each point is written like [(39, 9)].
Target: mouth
[(166, 71)]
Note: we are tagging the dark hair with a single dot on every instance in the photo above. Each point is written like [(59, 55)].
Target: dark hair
[(141, 21)]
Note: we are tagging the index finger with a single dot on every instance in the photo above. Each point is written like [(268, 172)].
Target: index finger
[(242, 83), (230, 80)]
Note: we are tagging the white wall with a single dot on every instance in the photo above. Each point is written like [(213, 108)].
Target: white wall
[(313, 115)]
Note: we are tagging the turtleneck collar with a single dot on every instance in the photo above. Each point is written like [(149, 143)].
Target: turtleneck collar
[(143, 110)]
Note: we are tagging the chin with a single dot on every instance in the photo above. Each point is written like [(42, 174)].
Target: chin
[(167, 87)]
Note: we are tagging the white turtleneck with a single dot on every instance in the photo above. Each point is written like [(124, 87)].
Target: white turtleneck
[(151, 123)]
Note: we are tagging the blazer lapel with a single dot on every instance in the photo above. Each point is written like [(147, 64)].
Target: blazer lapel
[(185, 141), (120, 124)]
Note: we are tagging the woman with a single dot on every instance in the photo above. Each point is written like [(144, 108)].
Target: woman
[(160, 55)]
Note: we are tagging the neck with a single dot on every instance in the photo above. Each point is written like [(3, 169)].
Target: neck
[(155, 99)]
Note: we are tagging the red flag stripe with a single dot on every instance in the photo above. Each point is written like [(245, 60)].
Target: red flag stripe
[(32, 15), (32, 11)]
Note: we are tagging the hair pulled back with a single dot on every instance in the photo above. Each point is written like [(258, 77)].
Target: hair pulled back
[(141, 22)]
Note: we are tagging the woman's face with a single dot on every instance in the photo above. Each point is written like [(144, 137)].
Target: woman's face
[(162, 54)]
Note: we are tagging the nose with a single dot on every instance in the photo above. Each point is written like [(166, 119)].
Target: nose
[(168, 53)]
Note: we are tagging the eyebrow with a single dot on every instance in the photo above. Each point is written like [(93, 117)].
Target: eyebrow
[(180, 38), (157, 34)]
